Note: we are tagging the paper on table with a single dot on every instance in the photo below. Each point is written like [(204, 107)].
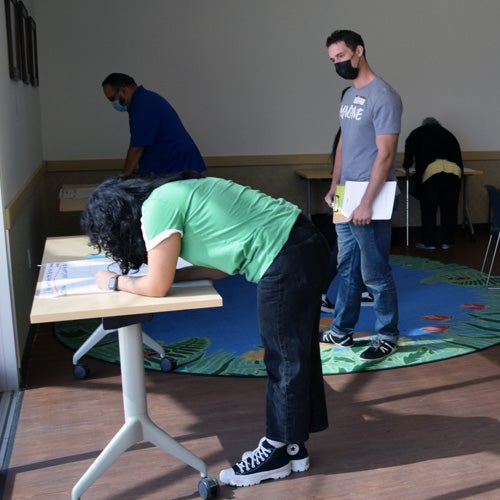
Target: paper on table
[(76, 192), (78, 276), (382, 207)]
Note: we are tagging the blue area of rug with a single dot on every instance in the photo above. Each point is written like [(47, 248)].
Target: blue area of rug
[(445, 311)]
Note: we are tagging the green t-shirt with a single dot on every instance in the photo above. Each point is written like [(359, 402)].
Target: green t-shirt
[(223, 225)]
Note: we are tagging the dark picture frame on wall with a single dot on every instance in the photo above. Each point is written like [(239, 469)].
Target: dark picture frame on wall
[(32, 53), (23, 18), (14, 49)]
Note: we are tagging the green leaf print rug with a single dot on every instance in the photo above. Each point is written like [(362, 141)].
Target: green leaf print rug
[(445, 311)]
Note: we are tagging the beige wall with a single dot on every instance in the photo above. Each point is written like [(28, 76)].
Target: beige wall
[(253, 77), (20, 160), (274, 175)]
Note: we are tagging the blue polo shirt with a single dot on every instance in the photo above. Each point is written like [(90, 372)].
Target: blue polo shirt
[(155, 126)]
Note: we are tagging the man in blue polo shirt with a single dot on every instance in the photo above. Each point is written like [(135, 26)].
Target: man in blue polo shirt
[(159, 143)]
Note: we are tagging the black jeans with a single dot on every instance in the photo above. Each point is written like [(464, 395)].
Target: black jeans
[(289, 300), (439, 192)]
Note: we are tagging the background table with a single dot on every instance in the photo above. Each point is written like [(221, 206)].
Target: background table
[(124, 311), (73, 197), (324, 174)]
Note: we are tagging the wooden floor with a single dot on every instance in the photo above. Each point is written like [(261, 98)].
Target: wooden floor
[(426, 432)]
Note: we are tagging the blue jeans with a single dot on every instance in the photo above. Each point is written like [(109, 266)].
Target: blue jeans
[(289, 301), (363, 256)]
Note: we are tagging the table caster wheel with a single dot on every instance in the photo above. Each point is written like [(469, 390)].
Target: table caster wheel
[(168, 364), (81, 372), (208, 487)]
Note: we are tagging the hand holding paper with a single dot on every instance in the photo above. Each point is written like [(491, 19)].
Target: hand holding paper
[(353, 193)]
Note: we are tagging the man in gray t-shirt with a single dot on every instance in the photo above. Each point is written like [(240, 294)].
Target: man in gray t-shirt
[(370, 120)]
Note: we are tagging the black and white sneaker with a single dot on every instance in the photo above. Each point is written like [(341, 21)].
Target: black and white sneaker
[(297, 453), (265, 462), (299, 458), (366, 299), (326, 305), (379, 350), (331, 337)]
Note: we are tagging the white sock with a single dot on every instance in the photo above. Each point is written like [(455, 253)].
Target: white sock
[(276, 444)]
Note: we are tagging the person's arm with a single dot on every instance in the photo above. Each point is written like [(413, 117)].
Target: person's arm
[(386, 145), (132, 160), (162, 272), (191, 273), (162, 262), (337, 170)]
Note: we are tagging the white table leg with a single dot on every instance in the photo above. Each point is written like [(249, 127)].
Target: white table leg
[(138, 426), (407, 210)]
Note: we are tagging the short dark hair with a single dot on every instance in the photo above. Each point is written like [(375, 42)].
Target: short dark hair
[(117, 80), (350, 38)]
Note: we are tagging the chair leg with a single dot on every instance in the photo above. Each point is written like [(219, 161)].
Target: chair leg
[(152, 344), (493, 260), (99, 333), (486, 253)]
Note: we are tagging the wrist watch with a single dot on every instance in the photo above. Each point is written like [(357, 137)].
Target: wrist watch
[(113, 283)]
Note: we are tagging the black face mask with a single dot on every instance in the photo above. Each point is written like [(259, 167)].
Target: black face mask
[(345, 70)]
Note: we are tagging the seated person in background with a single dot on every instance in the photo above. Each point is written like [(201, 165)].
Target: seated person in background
[(159, 143), (222, 227), (438, 172)]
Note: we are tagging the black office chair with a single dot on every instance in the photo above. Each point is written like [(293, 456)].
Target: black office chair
[(494, 218)]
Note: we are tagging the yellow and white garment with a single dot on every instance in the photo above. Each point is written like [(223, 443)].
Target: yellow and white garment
[(438, 166)]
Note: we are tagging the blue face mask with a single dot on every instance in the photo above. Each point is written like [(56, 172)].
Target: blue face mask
[(119, 107)]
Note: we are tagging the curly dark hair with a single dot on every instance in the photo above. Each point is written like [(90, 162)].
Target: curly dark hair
[(112, 217)]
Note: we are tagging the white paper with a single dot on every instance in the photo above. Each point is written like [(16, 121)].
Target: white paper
[(383, 205), (78, 276), (76, 192)]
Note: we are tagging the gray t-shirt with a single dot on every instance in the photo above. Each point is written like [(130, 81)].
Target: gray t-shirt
[(372, 110)]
